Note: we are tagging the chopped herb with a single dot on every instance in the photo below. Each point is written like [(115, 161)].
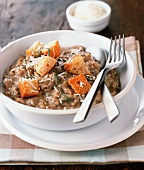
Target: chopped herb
[(30, 77), (24, 60), (39, 52), (96, 101), (66, 98), (48, 51), (57, 78)]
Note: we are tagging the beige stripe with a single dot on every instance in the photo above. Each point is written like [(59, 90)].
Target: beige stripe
[(142, 129), (20, 144), (136, 140), (5, 141), (139, 58), (119, 145), (130, 44)]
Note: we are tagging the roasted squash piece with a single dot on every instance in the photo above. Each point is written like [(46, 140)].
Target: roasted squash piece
[(28, 87), (76, 65), (35, 49), (45, 65), (79, 84), (52, 49)]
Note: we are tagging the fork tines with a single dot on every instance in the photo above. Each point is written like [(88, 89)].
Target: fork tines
[(118, 46)]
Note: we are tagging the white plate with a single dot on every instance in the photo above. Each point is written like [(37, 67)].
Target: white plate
[(97, 136)]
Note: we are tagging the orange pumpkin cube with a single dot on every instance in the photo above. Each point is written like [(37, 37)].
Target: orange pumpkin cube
[(28, 87), (52, 49), (79, 84), (76, 65), (35, 49), (45, 65)]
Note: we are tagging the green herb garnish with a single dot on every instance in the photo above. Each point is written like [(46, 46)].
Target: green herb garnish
[(30, 77), (48, 51), (66, 98), (39, 52), (57, 78)]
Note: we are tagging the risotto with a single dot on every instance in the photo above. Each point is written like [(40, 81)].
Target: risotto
[(53, 77)]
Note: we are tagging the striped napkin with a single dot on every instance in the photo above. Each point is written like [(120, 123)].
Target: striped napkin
[(16, 151), (133, 47)]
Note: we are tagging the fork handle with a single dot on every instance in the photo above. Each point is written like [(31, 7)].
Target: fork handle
[(111, 108), (85, 107)]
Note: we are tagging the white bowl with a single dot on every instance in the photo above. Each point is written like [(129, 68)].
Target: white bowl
[(62, 119), (88, 25)]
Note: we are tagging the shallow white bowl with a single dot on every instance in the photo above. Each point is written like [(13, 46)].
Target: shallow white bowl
[(62, 119), (88, 25)]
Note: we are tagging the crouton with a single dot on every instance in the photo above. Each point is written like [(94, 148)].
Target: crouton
[(76, 65), (45, 65), (28, 87), (79, 84), (52, 49), (35, 49)]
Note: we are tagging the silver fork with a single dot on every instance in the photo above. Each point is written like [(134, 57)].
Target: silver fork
[(114, 60)]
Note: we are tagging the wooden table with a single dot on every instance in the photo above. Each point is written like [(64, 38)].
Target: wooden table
[(23, 17)]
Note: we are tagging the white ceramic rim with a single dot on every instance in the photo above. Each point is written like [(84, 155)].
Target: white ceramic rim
[(9, 101), (94, 28), (88, 22)]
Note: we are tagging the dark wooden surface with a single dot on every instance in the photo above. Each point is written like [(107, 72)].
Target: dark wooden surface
[(126, 166), (19, 18)]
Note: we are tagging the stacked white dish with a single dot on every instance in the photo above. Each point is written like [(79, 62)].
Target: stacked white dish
[(26, 122)]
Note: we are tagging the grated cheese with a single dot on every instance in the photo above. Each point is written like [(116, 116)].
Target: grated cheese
[(81, 84), (28, 73), (60, 101), (88, 11), (56, 88), (50, 45), (33, 61), (80, 97), (34, 91), (62, 73), (75, 51), (29, 82), (50, 99), (45, 80)]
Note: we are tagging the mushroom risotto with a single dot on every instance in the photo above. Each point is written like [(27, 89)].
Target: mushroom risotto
[(52, 77)]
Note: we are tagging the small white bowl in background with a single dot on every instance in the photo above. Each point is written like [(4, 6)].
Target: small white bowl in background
[(88, 25)]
